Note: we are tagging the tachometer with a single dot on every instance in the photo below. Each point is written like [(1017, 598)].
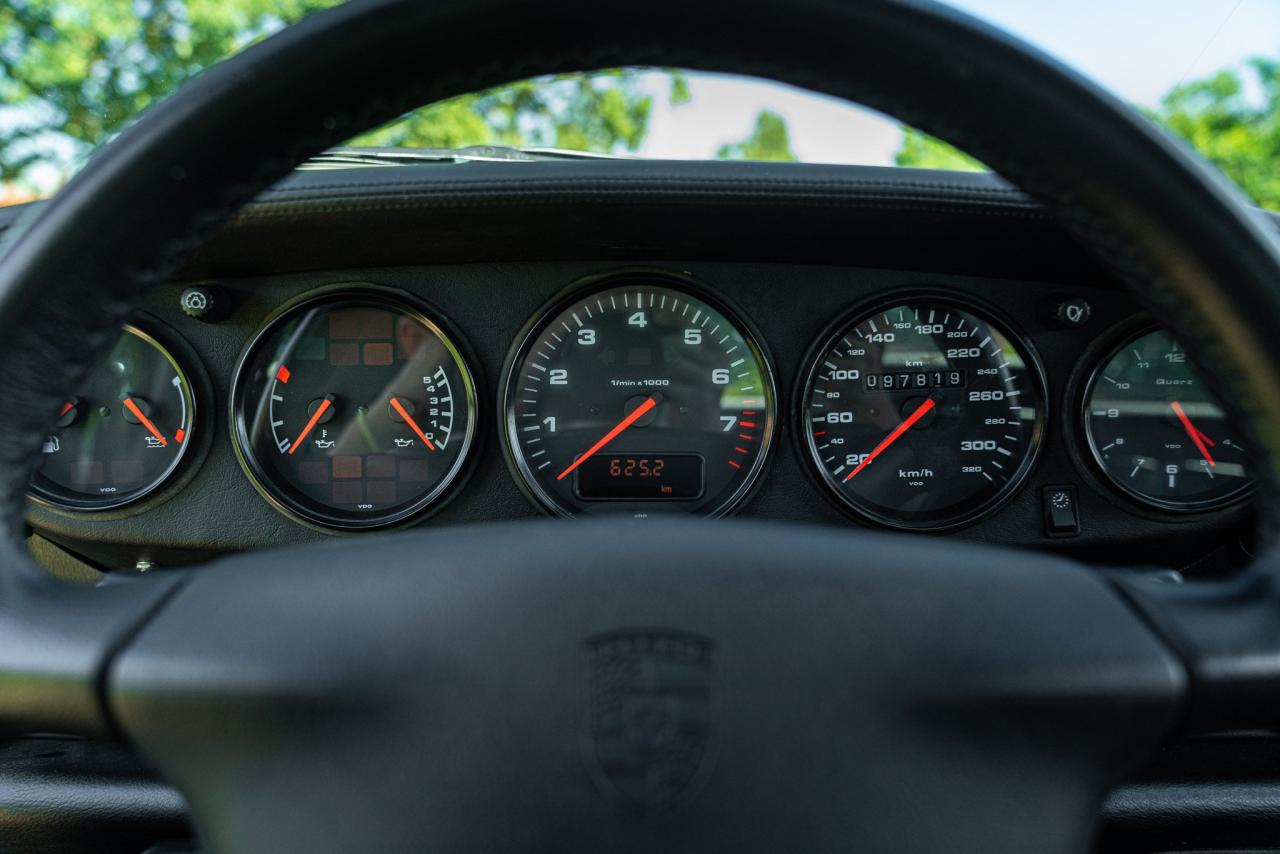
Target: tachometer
[(922, 413), (639, 396), (1158, 433), (353, 410)]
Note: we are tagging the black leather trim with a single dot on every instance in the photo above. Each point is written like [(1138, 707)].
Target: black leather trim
[(550, 211)]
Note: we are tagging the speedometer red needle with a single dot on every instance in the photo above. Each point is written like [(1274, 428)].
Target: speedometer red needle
[(408, 419), (142, 419), (906, 425), (315, 419), (635, 416), (1194, 432)]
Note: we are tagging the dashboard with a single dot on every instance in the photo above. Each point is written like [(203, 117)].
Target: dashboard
[(342, 402), (356, 353)]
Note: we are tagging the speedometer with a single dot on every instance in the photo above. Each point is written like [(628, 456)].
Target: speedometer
[(640, 396), (922, 413)]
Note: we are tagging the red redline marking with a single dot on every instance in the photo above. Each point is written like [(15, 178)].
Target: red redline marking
[(66, 407), (179, 435), (821, 433), (748, 412), (745, 436), (749, 424), (734, 464), (283, 374), (742, 450), (911, 419), (635, 416)]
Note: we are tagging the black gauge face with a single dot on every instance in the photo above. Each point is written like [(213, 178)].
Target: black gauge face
[(122, 434), (353, 410), (923, 414), (1158, 433), (639, 398)]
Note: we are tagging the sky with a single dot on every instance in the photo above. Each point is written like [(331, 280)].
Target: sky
[(1139, 49)]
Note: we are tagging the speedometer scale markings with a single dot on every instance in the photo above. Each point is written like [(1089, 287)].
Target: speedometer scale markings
[(923, 414), (641, 398)]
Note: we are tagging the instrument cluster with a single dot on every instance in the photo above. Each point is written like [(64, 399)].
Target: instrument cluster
[(643, 392)]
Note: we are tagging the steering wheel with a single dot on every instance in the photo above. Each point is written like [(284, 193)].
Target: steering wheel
[(803, 690)]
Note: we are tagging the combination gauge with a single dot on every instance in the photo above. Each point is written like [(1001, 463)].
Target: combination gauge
[(354, 410)]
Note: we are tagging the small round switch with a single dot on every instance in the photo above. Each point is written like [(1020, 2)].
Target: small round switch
[(204, 303), (1073, 312)]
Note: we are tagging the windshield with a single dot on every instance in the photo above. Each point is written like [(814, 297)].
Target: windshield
[(74, 72)]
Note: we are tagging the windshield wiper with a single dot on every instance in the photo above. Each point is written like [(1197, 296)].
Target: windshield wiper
[(349, 157)]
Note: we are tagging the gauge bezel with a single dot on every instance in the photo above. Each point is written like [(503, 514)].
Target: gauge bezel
[(162, 487), (361, 292), (882, 301), (582, 288), (1097, 358)]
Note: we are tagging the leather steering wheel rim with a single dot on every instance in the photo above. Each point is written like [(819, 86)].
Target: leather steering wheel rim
[(1182, 239)]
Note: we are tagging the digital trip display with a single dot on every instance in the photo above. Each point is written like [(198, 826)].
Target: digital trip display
[(634, 477)]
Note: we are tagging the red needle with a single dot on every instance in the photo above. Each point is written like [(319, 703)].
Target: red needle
[(315, 419), (403, 413), (1194, 432), (145, 421), (920, 412), (640, 410)]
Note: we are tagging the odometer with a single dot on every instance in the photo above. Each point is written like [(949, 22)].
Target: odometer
[(641, 395), (1158, 433), (922, 413)]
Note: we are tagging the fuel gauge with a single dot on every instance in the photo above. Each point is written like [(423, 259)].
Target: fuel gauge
[(353, 410), (122, 434)]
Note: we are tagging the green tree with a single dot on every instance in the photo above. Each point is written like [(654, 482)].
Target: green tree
[(75, 72), (768, 140), (922, 151), (606, 112), (80, 69), (1238, 134)]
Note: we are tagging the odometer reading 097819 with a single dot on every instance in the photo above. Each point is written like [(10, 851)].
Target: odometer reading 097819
[(639, 397), (923, 414)]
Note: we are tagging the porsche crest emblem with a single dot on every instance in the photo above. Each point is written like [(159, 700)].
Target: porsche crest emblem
[(648, 721)]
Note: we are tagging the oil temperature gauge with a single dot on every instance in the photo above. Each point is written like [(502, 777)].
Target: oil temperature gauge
[(353, 410), (122, 434)]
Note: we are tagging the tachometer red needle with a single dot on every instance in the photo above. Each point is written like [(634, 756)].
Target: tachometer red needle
[(635, 416), (315, 419), (144, 420), (1194, 432), (906, 425), (408, 419)]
